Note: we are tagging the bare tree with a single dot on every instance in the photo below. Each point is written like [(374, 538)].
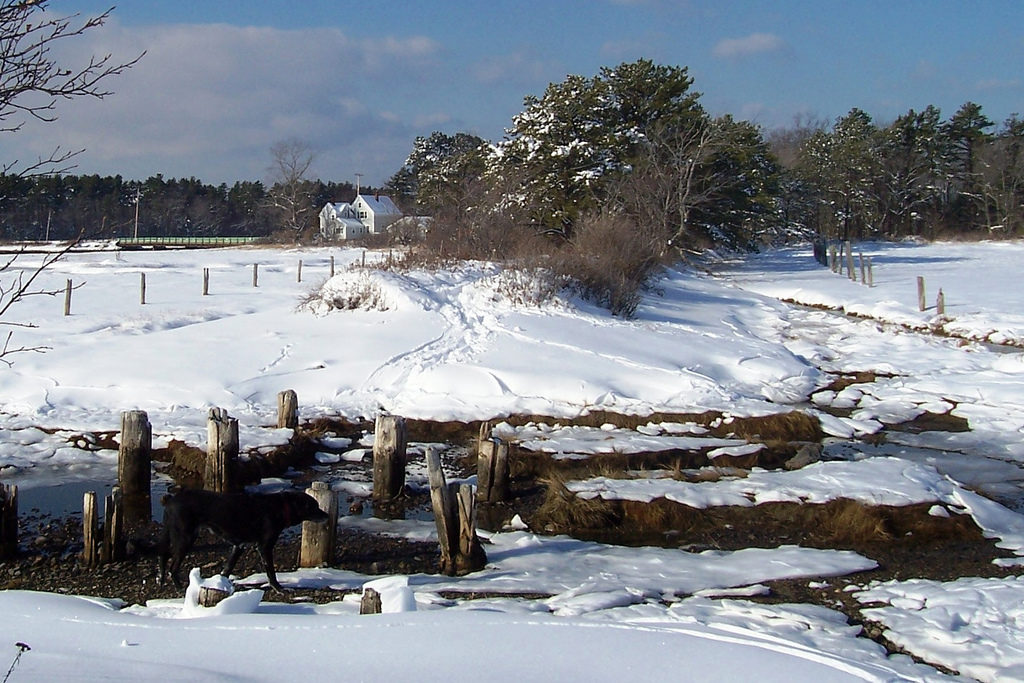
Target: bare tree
[(290, 195), (32, 81)]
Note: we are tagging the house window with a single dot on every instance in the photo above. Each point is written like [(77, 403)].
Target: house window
[(362, 214)]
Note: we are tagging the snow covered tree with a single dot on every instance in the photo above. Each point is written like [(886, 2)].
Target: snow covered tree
[(965, 136), (910, 150), (567, 146), (440, 169)]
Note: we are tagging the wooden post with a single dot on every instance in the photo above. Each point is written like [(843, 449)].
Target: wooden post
[(67, 298), (8, 520), (298, 276), (833, 258), (389, 446), (455, 517), (492, 471), (221, 451), (255, 275), (332, 265), (471, 555), (444, 509), (90, 530), (134, 470), (850, 271), (142, 288), (113, 527), (318, 538), (206, 281), (920, 294), (863, 270), (287, 409), (940, 303), (871, 274), (370, 602), (209, 596), (364, 258)]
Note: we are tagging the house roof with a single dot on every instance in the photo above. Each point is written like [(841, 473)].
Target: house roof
[(340, 210), (380, 204)]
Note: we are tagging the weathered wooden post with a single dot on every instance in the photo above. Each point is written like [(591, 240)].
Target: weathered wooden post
[(370, 602), (863, 270), (833, 259), (211, 596), (287, 409), (142, 288), (90, 530), (850, 271), (298, 275), (113, 527), (389, 457), (206, 281), (492, 471), (255, 275), (455, 517), (332, 265), (921, 305), (221, 451), (134, 467), (67, 298), (8, 520), (318, 538), (871, 274), (940, 303)]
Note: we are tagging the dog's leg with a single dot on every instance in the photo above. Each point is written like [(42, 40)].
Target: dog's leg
[(178, 552), (236, 552), (267, 554)]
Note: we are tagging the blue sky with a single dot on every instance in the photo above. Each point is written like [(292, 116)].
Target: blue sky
[(223, 81)]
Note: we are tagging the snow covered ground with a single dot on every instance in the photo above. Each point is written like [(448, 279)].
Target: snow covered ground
[(451, 346)]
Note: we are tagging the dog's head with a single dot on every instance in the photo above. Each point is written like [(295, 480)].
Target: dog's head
[(304, 508)]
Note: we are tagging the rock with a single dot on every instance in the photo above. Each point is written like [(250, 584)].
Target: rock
[(807, 454)]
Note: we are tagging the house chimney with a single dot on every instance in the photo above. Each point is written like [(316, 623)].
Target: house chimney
[(376, 195)]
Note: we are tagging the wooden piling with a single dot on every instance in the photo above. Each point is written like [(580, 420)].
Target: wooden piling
[(67, 298), (255, 275), (221, 451), (332, 265), (850, 271), (142, 289), (863, 270), (492, 471), (455, 518), (921, 304), (833, 259), (298, 275), (134, 465), (871, 274), (940, 303), (8, 520), (206, 281), (318, 537), (370, 602), (389, 458), (90, 530), (287, 409), (113, 527), (210, 596)]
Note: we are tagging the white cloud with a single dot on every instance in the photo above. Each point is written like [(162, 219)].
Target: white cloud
[(517, 67), (208, 100), (754, 44)]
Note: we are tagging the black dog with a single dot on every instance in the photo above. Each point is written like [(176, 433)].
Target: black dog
[(239, 518)]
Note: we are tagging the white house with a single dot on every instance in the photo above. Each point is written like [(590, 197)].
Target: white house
[(367, 215), (376, 212), (339, 222)]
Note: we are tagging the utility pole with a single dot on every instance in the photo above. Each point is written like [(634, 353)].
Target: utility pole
[(138, 198), (49, 215), (358, 178)]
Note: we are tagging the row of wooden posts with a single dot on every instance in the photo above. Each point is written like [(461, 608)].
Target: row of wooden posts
[(70, 286), (834, 259), (129, 503)]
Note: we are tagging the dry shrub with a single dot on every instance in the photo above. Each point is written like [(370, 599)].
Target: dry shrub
[(357, 291), (609, 260), (563, 510), (781, 427)]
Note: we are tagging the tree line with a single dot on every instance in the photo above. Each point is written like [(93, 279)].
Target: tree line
[(633, 143), (61, 207)]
